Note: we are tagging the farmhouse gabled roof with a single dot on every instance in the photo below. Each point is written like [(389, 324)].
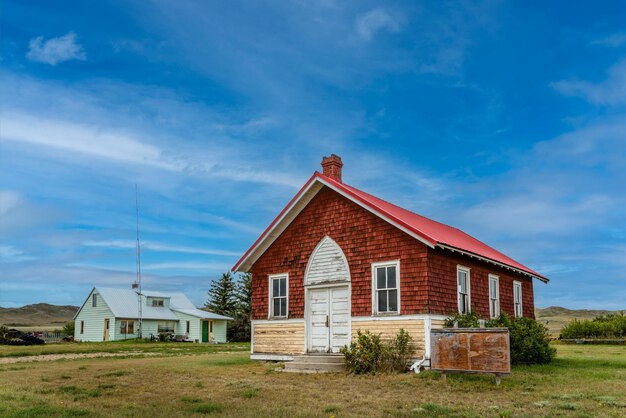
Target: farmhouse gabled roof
[(123, 303), (432, 233)]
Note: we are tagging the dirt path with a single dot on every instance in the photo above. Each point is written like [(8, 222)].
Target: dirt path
[(71, 356)]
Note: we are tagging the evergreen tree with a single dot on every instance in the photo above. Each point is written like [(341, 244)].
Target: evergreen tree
[(239, 328), (221, 296)]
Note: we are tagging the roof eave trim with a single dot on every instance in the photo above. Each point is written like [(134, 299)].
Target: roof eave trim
[(282, 215), (317, 177), (83, 304), (497, 263)]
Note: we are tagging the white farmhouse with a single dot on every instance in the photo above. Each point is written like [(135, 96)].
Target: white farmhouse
[(111, 314)]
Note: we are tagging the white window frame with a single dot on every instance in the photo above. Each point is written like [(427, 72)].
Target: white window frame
[(375, 266), (158, 303), (270, 310), (517, 283), (466, 270), (496, 280), (94, 300)]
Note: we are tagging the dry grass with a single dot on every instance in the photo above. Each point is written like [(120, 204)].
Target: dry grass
[(119, 347), (583, 381)]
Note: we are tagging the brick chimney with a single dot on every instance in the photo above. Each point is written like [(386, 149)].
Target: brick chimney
[(331, 167)]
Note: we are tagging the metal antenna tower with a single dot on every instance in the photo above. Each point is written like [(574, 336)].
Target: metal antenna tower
[(137, 284)]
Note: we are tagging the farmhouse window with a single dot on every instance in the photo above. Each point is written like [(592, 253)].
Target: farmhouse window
[(82, 327), (386, 284), (517, 299), (494, 296), (279, 296), (157, 302), (127, 327), (94, 300), (463, 285), (166, 326), (188, 326)]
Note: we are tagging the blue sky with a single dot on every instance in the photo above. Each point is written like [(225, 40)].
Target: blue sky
[(505, 119)]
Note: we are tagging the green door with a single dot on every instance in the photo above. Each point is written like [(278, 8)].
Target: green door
[(205, 331)]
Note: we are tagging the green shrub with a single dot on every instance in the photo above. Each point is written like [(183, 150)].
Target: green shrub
[(369, 354), (530, 340), (68, 329), (398, 352), (4, 333), (604, 326), (468, 320)]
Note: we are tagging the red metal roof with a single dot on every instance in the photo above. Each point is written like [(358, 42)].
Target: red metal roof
[(432, 232)]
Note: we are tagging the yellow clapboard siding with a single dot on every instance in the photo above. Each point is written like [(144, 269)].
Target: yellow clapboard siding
[(438, 323), (279, 338), (390, 328)]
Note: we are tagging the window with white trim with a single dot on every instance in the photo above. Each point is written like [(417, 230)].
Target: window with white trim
[(517, 299), (494, 296), (463, 289), (94, 300), (82, 327), (386, 285), (279, 296)]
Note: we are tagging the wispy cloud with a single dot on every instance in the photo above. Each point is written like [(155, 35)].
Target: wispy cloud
[(9, 254), (369, 24), (84, 139), (8, 200), (611, 91), (200, 268), (55, 50), (159, 247), (615, 40)]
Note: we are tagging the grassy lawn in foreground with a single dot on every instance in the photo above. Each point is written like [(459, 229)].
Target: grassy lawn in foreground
[(170, 348), (583, 381)]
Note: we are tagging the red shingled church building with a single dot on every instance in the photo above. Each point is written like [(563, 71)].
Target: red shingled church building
[(337, 260)]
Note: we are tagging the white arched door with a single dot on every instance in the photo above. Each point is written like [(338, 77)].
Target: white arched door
[(327, 288)]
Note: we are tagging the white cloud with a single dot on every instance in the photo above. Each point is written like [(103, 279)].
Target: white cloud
[(8, 200), (615, 40), (201, 268), (84, 139), (537, 213), (9, 254), (155, 246), (611, 91), (55, 50), (370, 23)]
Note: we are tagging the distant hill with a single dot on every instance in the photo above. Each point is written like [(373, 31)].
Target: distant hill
[(39, 314), (555, 317)]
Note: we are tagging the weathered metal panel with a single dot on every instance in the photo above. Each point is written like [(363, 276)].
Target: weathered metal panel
[(471, 350)]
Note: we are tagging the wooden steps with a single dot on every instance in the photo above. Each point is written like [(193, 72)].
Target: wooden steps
[(316, 363)]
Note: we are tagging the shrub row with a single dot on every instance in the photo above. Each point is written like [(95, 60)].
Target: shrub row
[(605, 326), (530, 340)]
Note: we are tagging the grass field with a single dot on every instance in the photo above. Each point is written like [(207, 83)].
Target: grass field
[(583, 381), (131, 346)]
